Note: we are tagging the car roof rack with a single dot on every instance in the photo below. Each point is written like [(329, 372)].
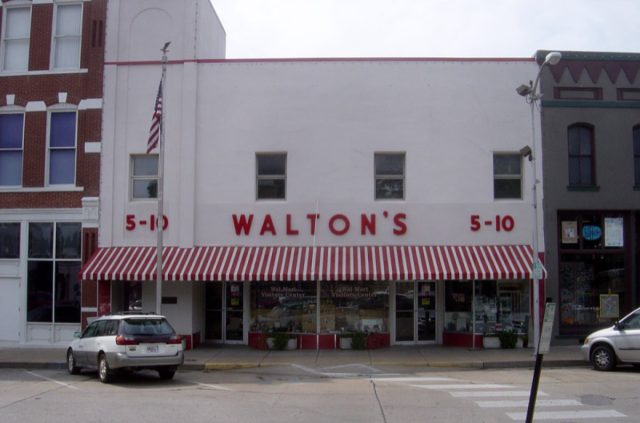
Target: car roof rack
[(128, 313)]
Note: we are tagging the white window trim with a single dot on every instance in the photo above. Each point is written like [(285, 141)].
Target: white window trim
[(16, 112), (272, 176), (55, 37), (508, 177), (133, 178), (61, 108), (18, 5), (390, 177)]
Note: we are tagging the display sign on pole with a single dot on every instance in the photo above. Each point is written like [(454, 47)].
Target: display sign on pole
[(547, 328)]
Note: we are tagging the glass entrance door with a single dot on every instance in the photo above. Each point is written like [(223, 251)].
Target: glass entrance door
[(426, 306), (224, 312), (415, 312)]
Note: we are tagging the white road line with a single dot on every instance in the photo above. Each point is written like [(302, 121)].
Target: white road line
[(445, 387), (364, 366), (66, 385), (564, 415), (525, 403), (218, 387), (413, 379), (492, 394)]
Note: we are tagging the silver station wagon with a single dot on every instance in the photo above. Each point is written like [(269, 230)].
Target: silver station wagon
[(618, 344), (126, 341)]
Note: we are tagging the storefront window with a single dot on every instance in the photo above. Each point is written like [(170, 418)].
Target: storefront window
[(354, 306), (289, 306), (587, 282), (499, 306), (593, 282)]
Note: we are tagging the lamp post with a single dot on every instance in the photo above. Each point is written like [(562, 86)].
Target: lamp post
[(531, 96)]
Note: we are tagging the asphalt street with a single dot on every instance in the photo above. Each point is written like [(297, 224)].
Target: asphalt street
[(340, 393)]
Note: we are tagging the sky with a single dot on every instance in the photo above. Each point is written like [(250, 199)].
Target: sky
[(426, 28)]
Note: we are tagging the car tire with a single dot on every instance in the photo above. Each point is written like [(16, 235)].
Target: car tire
[(603, 358), (104, 372), (166, 373), (72, 368)]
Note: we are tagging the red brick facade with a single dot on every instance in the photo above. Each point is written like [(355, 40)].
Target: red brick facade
[(38, 85)]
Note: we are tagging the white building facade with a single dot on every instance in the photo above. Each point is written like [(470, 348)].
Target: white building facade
[(314, 197)]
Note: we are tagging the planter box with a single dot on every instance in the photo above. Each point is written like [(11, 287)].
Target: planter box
[(345, 343), (490, 342), (292, 344)]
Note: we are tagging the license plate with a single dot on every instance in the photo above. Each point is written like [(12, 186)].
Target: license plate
[(152, 349)]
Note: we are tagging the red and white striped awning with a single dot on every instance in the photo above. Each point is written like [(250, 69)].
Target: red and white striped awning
[(360, 263)]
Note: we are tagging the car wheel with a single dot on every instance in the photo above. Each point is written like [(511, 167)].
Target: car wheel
[(603, 358), (166, 373), (71, 363), (104, 372)]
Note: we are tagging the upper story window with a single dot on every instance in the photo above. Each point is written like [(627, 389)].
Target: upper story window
[(144, 176), (271, 176), (389, 176), (16, 30), (507, 176), (62, 148), (581, 156), (11, 127), (67, 33), (636, 154)]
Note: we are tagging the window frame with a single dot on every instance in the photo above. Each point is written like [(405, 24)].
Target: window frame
[(636, 155), (21, 149), (3, 50), (505, 177), (55, 258), (133, 177), (271, 177), (55, 36), (591, 157), (390, 177), (74, 148)]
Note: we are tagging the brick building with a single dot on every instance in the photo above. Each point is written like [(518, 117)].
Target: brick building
[(51, 73)]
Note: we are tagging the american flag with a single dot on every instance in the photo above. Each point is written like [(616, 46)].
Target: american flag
[(154, 132)]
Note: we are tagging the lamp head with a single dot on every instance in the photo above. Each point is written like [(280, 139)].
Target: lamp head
[(526, 152), (552, 58), (524, 90)]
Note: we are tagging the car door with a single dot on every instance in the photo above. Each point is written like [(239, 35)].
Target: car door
[(628, 340), (91, 347), (80, 353)]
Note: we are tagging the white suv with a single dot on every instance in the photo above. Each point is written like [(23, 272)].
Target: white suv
[(126, 341), (619, 343)]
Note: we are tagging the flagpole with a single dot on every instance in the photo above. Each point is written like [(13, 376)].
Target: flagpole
[(160, 214)]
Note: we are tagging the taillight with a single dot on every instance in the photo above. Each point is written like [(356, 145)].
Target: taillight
[(122, 340), (175, 339)]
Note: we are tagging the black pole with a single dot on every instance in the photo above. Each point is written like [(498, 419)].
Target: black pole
[(534, 388)]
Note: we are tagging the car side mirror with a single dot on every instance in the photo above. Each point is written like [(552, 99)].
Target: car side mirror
[(618, 326), (76, 334)]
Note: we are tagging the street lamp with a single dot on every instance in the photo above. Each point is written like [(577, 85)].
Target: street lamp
[(531, 96)]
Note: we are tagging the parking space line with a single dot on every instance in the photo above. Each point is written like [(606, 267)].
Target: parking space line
[(217, 387), (66, 385)]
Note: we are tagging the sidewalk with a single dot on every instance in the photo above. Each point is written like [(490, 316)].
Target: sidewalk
[(218, 357)]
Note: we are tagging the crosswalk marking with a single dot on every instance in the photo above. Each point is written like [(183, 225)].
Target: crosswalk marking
[(525, 403), (564, 415), (413, 379), (445, 387), (489, 394)]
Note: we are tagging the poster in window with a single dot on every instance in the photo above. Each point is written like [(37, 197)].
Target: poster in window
[(609, 306), (613, 232), (569, 232)]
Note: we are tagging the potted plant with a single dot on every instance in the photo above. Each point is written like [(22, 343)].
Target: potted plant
[(508, 339), (359, 341), (281, 341)]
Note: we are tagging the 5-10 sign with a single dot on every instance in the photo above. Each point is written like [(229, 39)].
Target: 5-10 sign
[(500, 223), (132, 222)]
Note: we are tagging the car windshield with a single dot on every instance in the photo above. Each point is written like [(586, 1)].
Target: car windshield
[(147, 327)]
